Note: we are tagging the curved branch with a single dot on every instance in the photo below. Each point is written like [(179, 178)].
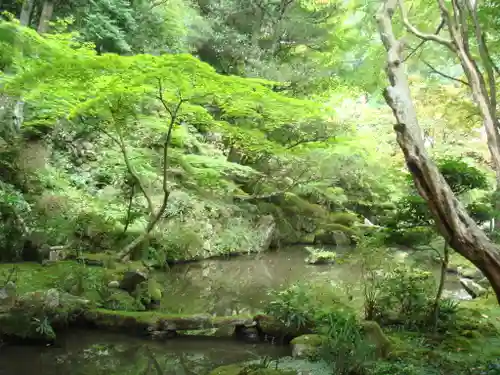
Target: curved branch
[(424, 36), (438, 30)]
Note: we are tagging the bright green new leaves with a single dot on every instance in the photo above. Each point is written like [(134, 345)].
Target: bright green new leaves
[(72, 83)]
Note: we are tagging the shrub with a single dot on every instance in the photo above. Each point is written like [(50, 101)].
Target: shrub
[(291, 306), (405, 296), (14, 221), (304, 305), (411, 237)]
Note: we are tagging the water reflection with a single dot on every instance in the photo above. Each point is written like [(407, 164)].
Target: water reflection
[(238, 285), (97, 353)]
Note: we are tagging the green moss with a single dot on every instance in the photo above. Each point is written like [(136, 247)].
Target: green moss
[(30, 277), (121, 300), (320, 256), (345, 219), (274, 328), (307, 238), (307, 346), (144, 320), (312, 340), (456, 260)]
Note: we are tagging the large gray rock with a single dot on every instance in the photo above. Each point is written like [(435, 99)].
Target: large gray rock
[(306, 346), (470, 273), (131, 279), (473, 288), (341, 239), (266, 226), (7, 293)]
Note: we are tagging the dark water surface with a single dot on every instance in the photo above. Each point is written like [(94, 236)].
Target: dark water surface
[(99, 353), (221, 287)]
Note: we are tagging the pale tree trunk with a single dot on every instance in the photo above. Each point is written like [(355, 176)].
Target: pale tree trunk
[(45, 16), (453, 221), (463, 24), (26, 10)]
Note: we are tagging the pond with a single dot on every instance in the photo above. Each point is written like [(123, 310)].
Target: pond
[(239, 284), (98, 353), (221, 287)]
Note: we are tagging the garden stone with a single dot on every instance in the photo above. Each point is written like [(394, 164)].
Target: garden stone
[(131, 279), (473, 288), (306, 346)]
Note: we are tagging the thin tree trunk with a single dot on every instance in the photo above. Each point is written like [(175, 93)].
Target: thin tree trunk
[(45, 16), (442, 278), (129, 209), (453, 221), (26, 10), (156, 217)]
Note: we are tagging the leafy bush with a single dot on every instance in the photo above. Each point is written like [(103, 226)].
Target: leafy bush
[(405, 296), (79, 279), (14, 220), (291, 306), (304, 305), (406, 292), (411, 237), (461, 176)]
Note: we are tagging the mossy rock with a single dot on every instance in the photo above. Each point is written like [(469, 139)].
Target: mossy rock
[(121, 300), (241, 369), (270, 327), (321, 257), (36, 315), (307, 238), (143, 322), (306, 346)]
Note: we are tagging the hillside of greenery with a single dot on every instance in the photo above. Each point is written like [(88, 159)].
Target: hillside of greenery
[(137, 135)]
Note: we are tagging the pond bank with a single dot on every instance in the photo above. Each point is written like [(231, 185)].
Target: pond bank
[(218, 289)]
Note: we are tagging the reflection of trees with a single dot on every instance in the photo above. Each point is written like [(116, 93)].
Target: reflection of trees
[(237, 286), (134, 357)]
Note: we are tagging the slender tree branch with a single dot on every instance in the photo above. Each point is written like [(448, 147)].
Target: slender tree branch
[(420, 45), (120, 142), (445, 75), (485, 57), (495, 66), (426, 37), (309, 140)]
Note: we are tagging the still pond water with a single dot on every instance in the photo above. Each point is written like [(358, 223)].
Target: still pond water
[(222, 287)]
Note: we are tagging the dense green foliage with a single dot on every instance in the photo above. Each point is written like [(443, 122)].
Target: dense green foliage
[(165, 131)]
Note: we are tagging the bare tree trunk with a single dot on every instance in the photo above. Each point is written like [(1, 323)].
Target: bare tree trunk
[(454, 223), (26, 10), (463, 24), (45, 16), (155, 217), (445, 259)]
